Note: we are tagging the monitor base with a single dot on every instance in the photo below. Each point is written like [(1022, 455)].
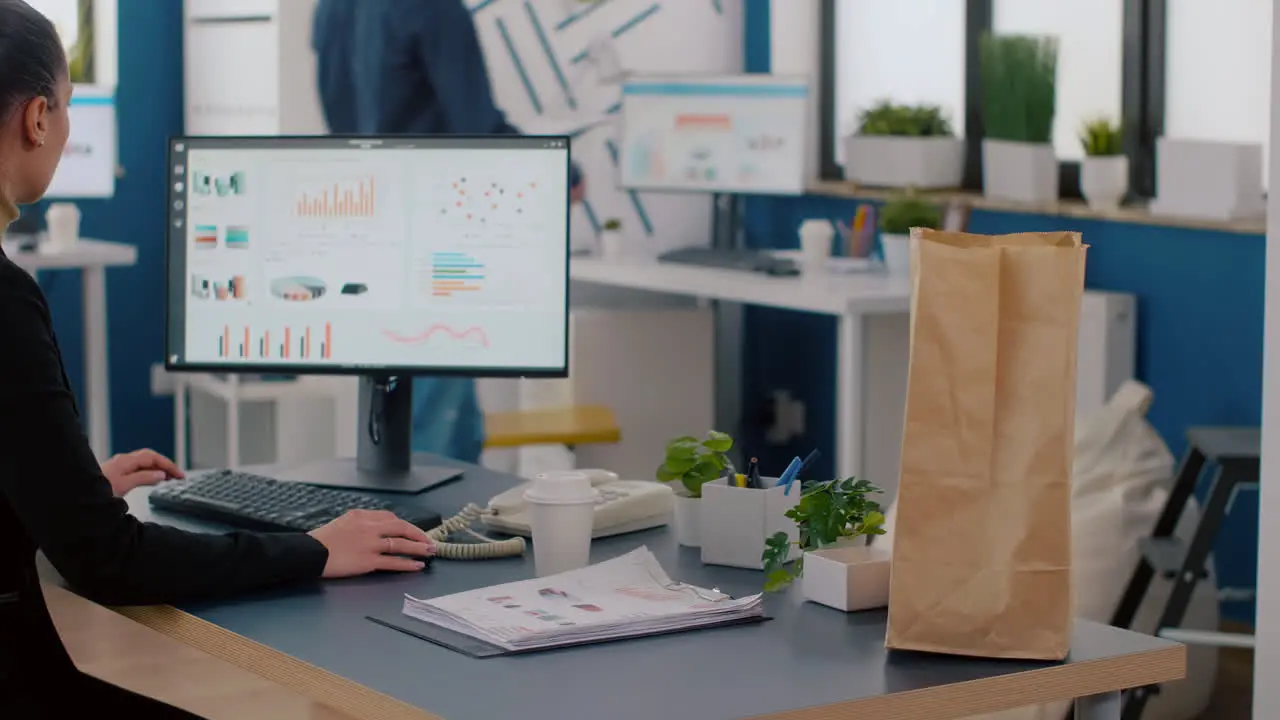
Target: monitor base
[(342, 473)]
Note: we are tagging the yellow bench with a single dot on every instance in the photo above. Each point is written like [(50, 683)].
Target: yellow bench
[(568, 426)]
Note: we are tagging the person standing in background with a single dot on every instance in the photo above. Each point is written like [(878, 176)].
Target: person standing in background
[(413, 67)]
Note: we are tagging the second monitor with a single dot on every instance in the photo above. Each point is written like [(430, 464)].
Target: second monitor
[(383, 257)]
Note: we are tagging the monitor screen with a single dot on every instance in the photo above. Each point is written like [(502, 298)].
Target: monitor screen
[(397, 255)]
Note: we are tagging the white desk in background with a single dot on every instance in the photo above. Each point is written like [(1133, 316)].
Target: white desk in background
[(851, 298), (91, 258), (872, 342)]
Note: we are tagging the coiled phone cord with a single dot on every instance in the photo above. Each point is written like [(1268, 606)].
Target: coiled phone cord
[(487, 549)]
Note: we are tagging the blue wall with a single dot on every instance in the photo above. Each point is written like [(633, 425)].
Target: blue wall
[(1200, 308), (150, 105)]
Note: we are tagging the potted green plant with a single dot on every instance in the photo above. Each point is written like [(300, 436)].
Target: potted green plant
[(688, 464), (904, 146), (835, 518), (1019, 82), (897, 217), (1104, 173), (611, 238)]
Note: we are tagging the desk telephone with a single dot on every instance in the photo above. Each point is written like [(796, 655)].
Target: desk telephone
[(624, 506)]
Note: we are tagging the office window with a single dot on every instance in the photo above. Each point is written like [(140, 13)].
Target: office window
[(88, 32), (907, 51), (1090, 58), (1218, 71)]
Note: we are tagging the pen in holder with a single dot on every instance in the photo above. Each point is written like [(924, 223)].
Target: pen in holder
[(736, 521)]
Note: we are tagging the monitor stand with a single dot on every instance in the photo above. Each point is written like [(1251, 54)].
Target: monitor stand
[(384, 460)]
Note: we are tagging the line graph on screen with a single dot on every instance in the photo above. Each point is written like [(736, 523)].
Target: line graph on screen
[(474, 335)]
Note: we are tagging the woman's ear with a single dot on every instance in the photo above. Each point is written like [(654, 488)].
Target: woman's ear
[(35, 121)]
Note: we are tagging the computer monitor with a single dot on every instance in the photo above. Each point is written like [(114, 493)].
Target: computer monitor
[(384, 257)]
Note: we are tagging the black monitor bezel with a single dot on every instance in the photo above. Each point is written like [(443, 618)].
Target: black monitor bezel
[(175, 195)]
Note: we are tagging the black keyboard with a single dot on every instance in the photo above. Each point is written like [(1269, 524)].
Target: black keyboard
[(255, 502), (745, 260)]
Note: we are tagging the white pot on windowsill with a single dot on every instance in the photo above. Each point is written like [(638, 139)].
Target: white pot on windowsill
[(688, 520), (1104, 180), (926, 163), (611, 243), (1021, 172)]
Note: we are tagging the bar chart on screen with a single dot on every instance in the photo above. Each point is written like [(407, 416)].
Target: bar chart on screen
[(455, 273), (302, 343), (351, 198)]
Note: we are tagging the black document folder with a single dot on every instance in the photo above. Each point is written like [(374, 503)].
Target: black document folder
[(476, 648)]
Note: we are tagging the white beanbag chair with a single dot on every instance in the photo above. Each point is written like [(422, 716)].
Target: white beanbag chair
[(1121, 477)]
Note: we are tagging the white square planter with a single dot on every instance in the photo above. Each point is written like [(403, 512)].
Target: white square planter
[(847, 578), (1018, 171), (736, 521), (1208, 180), (901, 162)]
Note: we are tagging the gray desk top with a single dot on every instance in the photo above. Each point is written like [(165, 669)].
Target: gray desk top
[(808, 656)]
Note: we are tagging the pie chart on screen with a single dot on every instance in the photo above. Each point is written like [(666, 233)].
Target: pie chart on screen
[(298, 289)]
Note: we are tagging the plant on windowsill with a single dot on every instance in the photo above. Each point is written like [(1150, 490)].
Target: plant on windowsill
[(1019, 86), (688, 464), (897, 217), (611, 238), (835, 519), (904, 146), (1104, 173)]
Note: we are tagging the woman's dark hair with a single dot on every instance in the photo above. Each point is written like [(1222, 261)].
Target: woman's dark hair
[(31, 56)]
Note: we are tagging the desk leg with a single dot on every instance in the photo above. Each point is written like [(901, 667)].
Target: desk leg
[(850, 374), (1099, 707), (97, 393)]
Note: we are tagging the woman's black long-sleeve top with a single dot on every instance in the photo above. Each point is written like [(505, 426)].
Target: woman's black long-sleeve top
[(54, 497)]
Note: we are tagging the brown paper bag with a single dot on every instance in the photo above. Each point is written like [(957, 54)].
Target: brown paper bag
[(982, 553)]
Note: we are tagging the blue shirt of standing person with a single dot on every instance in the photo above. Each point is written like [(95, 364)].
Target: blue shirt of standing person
[(413, 67)]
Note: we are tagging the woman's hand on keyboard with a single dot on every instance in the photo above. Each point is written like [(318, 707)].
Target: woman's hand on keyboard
[(364, 541), (140, 467)]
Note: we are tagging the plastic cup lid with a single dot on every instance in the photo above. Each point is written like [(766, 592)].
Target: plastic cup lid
[(561, 488)]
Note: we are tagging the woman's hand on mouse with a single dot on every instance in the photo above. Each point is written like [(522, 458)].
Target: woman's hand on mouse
[(136, 469), (364, 541)]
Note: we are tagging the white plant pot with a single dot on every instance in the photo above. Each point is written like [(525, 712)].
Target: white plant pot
[(611, 243), (1104, 181), (847, 578), (1209, 180), (1022, 172), (900, 162), (897, 254), (737, 521), (688, 521)]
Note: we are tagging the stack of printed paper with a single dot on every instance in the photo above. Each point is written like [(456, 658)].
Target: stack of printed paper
[(628, 596)]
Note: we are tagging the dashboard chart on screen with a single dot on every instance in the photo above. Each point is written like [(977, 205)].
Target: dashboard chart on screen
[(439, 253)]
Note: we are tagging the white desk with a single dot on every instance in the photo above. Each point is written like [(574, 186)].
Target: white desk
[(850, 298), (91, 258)]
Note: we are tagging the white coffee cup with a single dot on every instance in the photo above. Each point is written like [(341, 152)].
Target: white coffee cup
[(63, 224), (816, 236), (562, 513)]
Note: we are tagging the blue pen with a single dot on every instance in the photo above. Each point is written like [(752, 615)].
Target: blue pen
[(809, 459), (789, 475)]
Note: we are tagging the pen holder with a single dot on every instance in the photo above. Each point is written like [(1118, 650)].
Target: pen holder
[(736, 521)]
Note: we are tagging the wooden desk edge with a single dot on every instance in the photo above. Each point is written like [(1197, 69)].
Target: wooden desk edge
[(1007, 692), (303, 678), (946, 702)]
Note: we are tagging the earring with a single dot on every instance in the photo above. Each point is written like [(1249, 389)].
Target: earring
[(40, 144)]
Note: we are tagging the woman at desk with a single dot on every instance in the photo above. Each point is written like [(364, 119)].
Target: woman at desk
[(54, 495)]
